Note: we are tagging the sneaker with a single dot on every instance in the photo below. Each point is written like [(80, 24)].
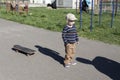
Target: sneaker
[(73, 63), (67, 65)]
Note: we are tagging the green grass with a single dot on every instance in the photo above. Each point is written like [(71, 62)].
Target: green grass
[(55, 20)]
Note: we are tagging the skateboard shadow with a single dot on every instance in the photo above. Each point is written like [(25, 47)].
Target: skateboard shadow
[(48, 52), (108, 67)]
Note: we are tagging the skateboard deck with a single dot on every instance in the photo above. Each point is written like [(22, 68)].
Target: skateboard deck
[(26, 51)]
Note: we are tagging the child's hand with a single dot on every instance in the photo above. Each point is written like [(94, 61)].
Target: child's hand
[(77, 42)]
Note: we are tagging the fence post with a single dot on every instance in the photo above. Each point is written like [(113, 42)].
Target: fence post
[(116, 7), (76, 6), (80, 14), (91, 22), (112, 14), (100, 12)]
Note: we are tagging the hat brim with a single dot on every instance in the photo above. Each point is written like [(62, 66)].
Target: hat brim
[(74, 19)]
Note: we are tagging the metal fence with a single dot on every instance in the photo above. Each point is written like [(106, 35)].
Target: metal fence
[(107, 7)]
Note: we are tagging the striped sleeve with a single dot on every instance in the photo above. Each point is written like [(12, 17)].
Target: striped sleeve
[(64, 35)]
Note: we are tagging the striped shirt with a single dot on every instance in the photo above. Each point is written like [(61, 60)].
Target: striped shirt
[(69, 34)]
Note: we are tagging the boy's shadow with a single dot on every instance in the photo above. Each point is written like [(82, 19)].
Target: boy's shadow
[(53, 54), (104, 65)]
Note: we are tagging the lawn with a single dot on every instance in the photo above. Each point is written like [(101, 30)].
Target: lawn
[(55, 20)]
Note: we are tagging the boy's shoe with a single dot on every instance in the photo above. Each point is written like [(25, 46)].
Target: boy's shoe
[(73, 63), (67, 65)]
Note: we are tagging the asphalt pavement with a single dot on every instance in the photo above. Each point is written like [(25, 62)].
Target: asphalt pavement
[(95, 60)]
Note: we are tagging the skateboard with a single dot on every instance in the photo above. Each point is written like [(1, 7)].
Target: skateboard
[(24, 50)]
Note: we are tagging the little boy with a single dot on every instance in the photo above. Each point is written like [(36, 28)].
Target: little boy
[(70, 37)]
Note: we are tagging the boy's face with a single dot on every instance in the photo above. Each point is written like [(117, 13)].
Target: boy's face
[(71, 22)]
